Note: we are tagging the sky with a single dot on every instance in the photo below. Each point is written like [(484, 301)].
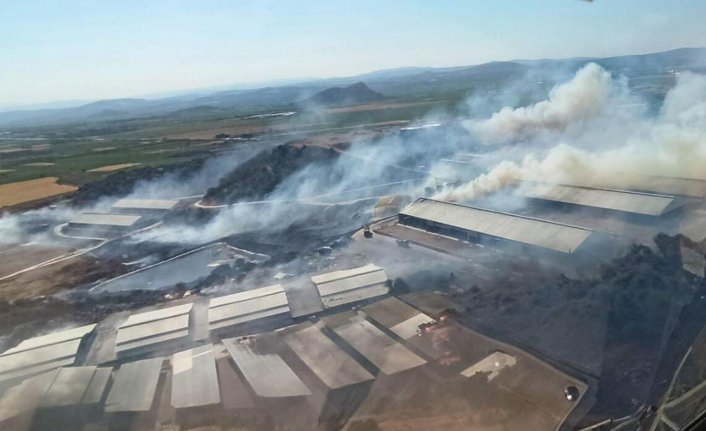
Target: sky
[(54, 50)]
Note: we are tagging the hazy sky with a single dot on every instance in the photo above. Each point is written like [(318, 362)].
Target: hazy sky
[(68, 49)]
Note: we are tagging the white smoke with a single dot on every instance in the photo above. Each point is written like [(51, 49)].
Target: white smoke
[(671, 144), (583, 97)]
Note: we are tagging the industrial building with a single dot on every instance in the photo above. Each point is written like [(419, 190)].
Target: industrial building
[(105, 223), (247, 306), (258, 359), (333, 366), (134, 386), (644, 204), (194, 378), (143, 206), (380, 349), (404, 321), (77, 386), (477, 225), (44, 353), (351, 285), (148, 330)]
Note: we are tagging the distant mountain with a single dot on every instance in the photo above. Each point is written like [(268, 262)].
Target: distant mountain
[(422, 82), (355, 94)]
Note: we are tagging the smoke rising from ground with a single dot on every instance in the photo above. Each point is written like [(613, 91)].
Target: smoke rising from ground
[(592, 148), (583, 97)]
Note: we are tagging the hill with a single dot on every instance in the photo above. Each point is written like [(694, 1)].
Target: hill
[(355, 94), (402, 83)]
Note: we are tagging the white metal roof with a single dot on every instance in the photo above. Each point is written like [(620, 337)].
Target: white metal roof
[(156, 204), (246, 306), (245, 295), (349, 279), (41, 358), (68, 387), (134, 386), (26, 396), (618, 200), (162, 313), (331, 364), (675, 186), (540, 233), (385, 353), (94, 391), (152, 327), (264, 368), (194, 379), (52, 338), (123, 220)]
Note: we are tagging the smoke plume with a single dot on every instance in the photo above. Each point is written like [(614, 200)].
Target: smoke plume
[(632, 145)]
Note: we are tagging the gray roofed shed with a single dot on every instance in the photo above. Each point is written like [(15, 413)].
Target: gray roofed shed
[(617, 200), (134, 386), (525, 230), (194, 378)]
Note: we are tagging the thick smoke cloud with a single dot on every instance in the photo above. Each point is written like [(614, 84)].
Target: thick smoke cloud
[(583, 97), (631, 145)]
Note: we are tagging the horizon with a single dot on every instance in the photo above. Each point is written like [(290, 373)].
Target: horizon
[(78, 51), (255, 85)]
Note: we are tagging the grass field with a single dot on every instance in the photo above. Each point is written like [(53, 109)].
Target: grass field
[(80, 153), (32, 190)]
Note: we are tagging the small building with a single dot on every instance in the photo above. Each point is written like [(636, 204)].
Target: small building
[(143, 206), (351, 285), (478, 225)]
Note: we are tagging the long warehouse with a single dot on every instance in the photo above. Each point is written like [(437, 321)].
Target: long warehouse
[(616, 200), (247, 306), (143, 206), (258, 358), (149, 329), (43, 353), (476, 224), (351, 285)]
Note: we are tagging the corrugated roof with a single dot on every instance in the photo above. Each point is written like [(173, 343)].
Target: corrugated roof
[(385, 353), (264, 368), (152, 327), (68, 387), (194, 379), (156, 204), (162, 313), (349, 279), (540, 233), (331, 364), (246, 306), (246, 295), (52, 338), (123, 220), (134, 386), (674, 186), (618, 200), (26, 396), (28, 362)]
